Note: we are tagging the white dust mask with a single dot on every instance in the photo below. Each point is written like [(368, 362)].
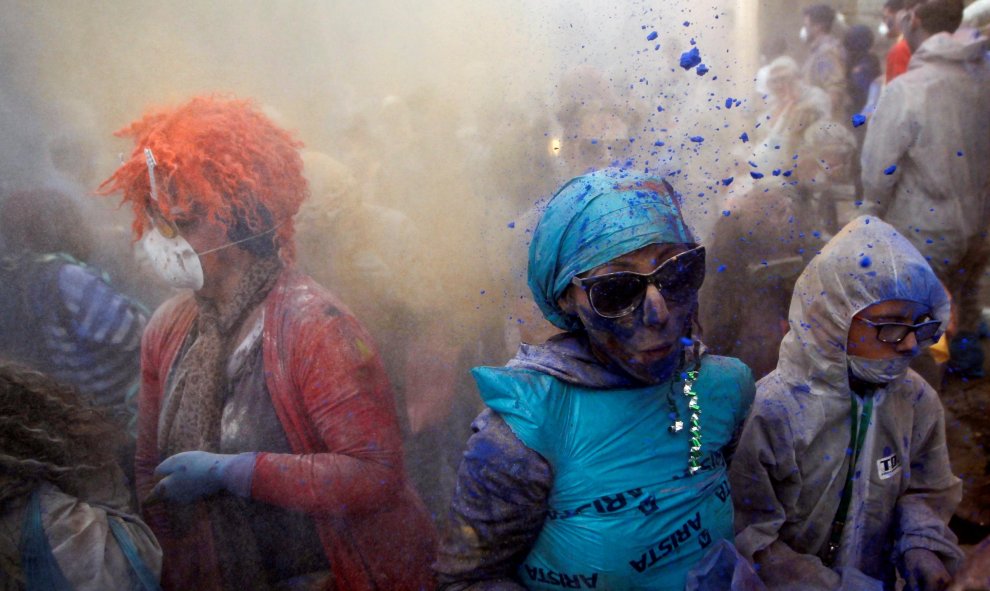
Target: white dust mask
[(174, 260), (878, 371)]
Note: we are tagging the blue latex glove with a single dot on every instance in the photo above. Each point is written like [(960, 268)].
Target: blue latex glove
[(192, 475)]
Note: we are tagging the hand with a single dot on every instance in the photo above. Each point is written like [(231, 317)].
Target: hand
[(924, 571), (192, 475)]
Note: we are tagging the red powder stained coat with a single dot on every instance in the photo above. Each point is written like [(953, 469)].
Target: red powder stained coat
[(335, 405)]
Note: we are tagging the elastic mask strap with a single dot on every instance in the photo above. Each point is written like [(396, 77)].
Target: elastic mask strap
[(242, 240)]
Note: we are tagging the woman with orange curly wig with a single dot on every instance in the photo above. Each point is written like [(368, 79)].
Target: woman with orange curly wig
[(268, 452)]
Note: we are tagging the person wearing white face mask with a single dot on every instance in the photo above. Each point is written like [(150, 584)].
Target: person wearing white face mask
[(268, 450), (842, 471), (825, 66)]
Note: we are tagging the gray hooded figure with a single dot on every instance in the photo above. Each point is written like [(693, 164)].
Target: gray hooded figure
[(791, 466)]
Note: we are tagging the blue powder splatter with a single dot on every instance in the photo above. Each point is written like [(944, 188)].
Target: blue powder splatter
[(659, 109), (659, 144), (726, 212), (753, 164), (512, 225), (687, 23), (776, 172), (482, 292), (728, 181), (702, 70), (728, 103), (686, 341), (858, 119), (690, 59), (652, 36), (756, 175), (865, 262), (744, 137), (959, 153), (720, 269), (697, 139), (890, 169), (788, 172)]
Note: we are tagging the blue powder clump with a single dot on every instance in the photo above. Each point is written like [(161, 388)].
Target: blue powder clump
[(776, 172), (659, 109), (756, 175), (890, 169), (744, 137), (652, 36), (721, 268), (788, 172), (691, 58), (865, 262), (697, 139), (728, 181), (687, 23), (686, 341), (702, 70), (858, 119), (728, 103), (726, 212), (512, 225)]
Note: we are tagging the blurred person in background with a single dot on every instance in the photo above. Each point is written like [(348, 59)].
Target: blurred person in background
[(924, 161), (370, 256), (613, 436), (900, 53), (825, 66), (62, 316), (66, 520), (793, 107), (862, 67), (842, 472), (761, 244), (269, 454)]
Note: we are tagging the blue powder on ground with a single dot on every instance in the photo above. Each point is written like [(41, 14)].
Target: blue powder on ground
[(858, 119), (652, 36), (890, 169)]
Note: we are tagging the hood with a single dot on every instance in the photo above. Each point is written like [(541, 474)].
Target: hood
[(568, 357), (867, 262), (966, 45)]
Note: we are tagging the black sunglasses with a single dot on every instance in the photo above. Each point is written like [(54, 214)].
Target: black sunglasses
[(614, 295), (895, 332)]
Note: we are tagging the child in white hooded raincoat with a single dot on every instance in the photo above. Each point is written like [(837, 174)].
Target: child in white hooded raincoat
[(790, 469)]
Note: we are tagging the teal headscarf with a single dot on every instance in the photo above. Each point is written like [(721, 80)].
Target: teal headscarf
[(593, 219)]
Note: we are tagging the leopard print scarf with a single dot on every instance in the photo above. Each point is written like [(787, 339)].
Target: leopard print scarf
[(190, 418)]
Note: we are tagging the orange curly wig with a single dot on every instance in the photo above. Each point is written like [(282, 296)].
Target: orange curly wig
[(217, 157)]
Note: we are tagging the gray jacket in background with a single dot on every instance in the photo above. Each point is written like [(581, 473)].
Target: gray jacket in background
[(927, 146), (790, 467)]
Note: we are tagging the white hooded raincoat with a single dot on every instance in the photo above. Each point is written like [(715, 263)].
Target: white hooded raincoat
[(790, 468)]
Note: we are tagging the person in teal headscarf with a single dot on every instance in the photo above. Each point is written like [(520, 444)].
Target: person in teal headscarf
[(600, 461)]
